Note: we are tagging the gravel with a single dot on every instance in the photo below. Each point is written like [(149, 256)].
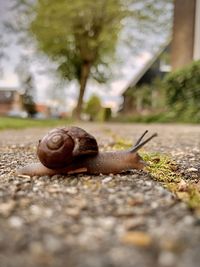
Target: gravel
[(98, 221)]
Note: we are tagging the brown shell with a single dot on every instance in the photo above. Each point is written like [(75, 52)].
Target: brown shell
[(60, 146), (85, 143)]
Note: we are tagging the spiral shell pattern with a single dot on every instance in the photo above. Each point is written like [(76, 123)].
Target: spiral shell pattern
[(55, 149), (61, 146)]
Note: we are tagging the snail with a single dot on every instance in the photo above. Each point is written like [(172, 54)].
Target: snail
[(73, 150)]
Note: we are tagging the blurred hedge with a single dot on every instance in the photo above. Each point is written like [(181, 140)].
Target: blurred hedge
[(182, 89), (177, 98)]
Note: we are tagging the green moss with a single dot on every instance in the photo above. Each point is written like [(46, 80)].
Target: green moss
[(121, 143), (164, 170), (194, 197)]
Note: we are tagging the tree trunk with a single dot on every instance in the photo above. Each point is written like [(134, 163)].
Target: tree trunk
[(85, 71)]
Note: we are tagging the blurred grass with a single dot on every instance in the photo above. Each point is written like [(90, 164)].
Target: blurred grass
[(19, 123), (165, 117)]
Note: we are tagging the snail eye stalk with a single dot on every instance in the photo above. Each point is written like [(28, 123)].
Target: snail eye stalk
[(138, 146), (141, 137)]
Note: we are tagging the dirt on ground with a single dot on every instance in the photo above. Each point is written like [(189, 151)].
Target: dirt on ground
[(127, 219)]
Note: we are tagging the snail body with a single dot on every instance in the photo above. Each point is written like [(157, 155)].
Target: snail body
[(93, 162)]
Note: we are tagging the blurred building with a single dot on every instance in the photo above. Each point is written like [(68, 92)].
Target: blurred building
[(155, 68), (43, 110), (10, 100)]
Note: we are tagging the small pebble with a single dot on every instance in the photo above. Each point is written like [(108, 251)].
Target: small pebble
[(24, 176), (192, 169), (7, 208), (167, 259), (182, 186), (71, 190), (107, 180), (15, 222)]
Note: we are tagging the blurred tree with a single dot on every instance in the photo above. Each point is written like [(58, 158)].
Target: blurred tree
[(107, 113), (3, 55), (80, 36), (27, 98), (27, 87), (93, 107)]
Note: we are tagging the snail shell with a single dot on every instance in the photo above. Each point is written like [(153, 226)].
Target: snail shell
[(61, 145)]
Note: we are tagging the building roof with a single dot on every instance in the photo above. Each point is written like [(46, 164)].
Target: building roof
[(146, 66)]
